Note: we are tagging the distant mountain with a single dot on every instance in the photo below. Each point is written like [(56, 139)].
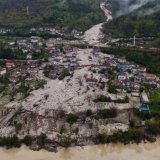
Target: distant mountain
[(141, 18), (81, 14)]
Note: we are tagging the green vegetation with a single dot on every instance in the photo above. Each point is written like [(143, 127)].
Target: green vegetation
[(23, 89), (63, 74), (102, 138), (155, 98), (107, 113), (42, 140), (27, 140), (40, 84), (72, 118), (103, 98), (65, 141), (151, 60), (141, 115), (133, 134), (7, 53), (138, 23), (4, 80), (155, 103), (128, 27), (112, 89), (155, 110), (75, 14), (89, 113), (70, 13), (155, 43), (153, 126), (40, 56), (47, 70), (18, 126), (9, 142)]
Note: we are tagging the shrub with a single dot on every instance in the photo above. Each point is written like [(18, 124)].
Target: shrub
[(27, 140), (64, 73), (107, 113), (89, 113), (112, 89), (132, 123), (142, 115), (71, 118), (101, 138), (153, 126), (18, 126), (133, 134), (23, 89), (103, 98), (40, 84), (42, 140), (47, 70), (102, 86), (65, 141), (10, 142)]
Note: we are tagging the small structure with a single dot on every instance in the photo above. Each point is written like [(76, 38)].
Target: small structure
[(3, 71), (144, 103), (150, 77), (29, 56), (35, 39), (144, 98), (134, 41), (92, 81), (9, 64), (13, 79), (122, 77), (67, 49), (124, 68)]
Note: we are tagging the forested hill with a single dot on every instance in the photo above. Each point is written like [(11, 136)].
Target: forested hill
[(80, 14), (143, 21)]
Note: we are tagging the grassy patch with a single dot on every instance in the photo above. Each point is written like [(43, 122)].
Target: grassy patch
[(155, 110), (155, 98)]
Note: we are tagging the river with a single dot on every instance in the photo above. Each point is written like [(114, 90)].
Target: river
[(148, 151)]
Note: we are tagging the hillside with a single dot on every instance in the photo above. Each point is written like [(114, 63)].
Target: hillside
[(62, 13), (142, 20)]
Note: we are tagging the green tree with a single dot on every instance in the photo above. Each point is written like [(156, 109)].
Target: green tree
[(72, 118), (112, 89), (65, 141)]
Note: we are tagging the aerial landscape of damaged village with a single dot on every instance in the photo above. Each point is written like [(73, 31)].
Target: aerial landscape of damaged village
[(68, 89)]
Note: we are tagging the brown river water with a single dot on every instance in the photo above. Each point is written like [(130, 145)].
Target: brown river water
[(148, 151)]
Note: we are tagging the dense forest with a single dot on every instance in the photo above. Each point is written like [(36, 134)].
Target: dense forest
[(67, 13), (142, 22)]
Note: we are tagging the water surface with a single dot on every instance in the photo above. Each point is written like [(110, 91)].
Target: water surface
[(148, 151)]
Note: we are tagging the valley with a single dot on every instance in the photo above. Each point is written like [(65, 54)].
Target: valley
[(74, 86)]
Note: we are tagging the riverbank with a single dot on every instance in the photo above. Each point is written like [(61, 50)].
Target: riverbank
[(143, 151)]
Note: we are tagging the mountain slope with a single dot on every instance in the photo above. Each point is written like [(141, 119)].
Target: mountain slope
[(80, 14), (143, 21)]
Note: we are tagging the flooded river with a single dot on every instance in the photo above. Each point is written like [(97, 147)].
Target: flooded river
[(149, 151)]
